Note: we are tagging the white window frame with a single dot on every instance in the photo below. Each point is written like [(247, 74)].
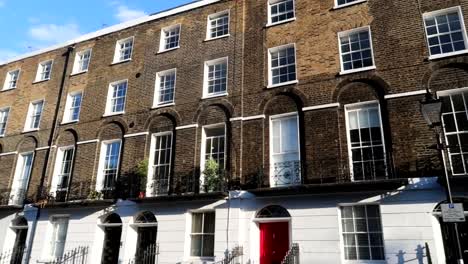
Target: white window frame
[(68, 108), (203, 147), (270, 74), (450, 93), (8, 111), (7, 85), (49, 253), (40, 70), (463, 30), (271, 119), (118, 49), (149, 190), (342, 243), (58, 167), (216, 16), (156, 102), (102, 155), (205, 77), (347, 33), (108, 111), (271, 3), (367, 104), (337, 6), (28, 123), (162, 42), (78, 61), (18, 171), (202, 258)]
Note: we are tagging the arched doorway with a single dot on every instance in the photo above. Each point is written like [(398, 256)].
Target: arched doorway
[(147, 229), (449, 236), (19, 226), (112, 225), (274, 226)]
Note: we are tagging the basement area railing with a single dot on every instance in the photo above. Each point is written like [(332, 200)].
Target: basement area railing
[(292, 257)]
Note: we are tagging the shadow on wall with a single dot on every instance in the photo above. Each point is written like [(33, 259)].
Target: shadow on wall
[(421, 253)]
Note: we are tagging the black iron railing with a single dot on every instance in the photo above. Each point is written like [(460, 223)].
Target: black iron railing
[(13, 256), (149, 255), (292, 257), (235, 256), (78, 255)]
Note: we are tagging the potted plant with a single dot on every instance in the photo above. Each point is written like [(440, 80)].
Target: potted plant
[(95, 195), (212, 176), (142, 174)]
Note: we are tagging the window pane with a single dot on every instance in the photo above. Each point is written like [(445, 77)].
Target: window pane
[(209, 223), (196, 244), (197, 223), (208, 245)]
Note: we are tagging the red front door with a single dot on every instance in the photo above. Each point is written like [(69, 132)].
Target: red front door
[(274, 242)]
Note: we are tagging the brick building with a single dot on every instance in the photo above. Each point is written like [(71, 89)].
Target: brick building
[(287, 128)]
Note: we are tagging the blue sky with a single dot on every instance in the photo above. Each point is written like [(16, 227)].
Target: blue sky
[(28, 25)]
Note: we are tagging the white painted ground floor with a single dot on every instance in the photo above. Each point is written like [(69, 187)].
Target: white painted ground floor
[(377, 227)]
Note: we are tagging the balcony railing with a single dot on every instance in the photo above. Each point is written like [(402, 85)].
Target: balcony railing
[(148, 255), (78, 255), (233, 257), (13, 256)]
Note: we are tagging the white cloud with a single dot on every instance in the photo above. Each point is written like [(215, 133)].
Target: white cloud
[(52, 33), (124, 13)]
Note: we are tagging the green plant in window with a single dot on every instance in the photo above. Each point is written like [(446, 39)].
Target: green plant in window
[(213, 176)]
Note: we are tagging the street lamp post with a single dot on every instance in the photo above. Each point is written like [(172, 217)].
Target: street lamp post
[(431, 109)]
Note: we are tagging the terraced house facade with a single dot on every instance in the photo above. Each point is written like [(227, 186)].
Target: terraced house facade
[(239, 131)]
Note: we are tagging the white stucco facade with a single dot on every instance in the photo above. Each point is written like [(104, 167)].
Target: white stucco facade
[(408, 224)]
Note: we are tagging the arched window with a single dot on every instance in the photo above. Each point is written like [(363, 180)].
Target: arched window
[(19, 225), (273, 211), (112, 234), (145, 217), (147, 229)]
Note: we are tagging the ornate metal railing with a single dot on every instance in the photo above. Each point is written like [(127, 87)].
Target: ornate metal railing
[(78, 255), (148, 255), (286, 173), (233, 257), (292, 257), (13, 256)]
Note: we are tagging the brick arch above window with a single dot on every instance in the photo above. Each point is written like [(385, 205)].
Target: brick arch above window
[(215, 111), (280, 104), (67, 138), (112, 130), (168, 113), (161, 123), (351, 89), (299, 98), (444, 75), (29, 143)]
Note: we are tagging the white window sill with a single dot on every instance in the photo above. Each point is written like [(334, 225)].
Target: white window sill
[(8, 89), (349, 4), (69, 122), (219, 37), (167, 50), (445, 55), (162, 105), (40, 81), (214, 96), (113, 114), (282, 84), (2, 135), (365, 261), (281, 22), (120, 62), (30, 130), (78, 73), (358, 70), (202, 259)]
